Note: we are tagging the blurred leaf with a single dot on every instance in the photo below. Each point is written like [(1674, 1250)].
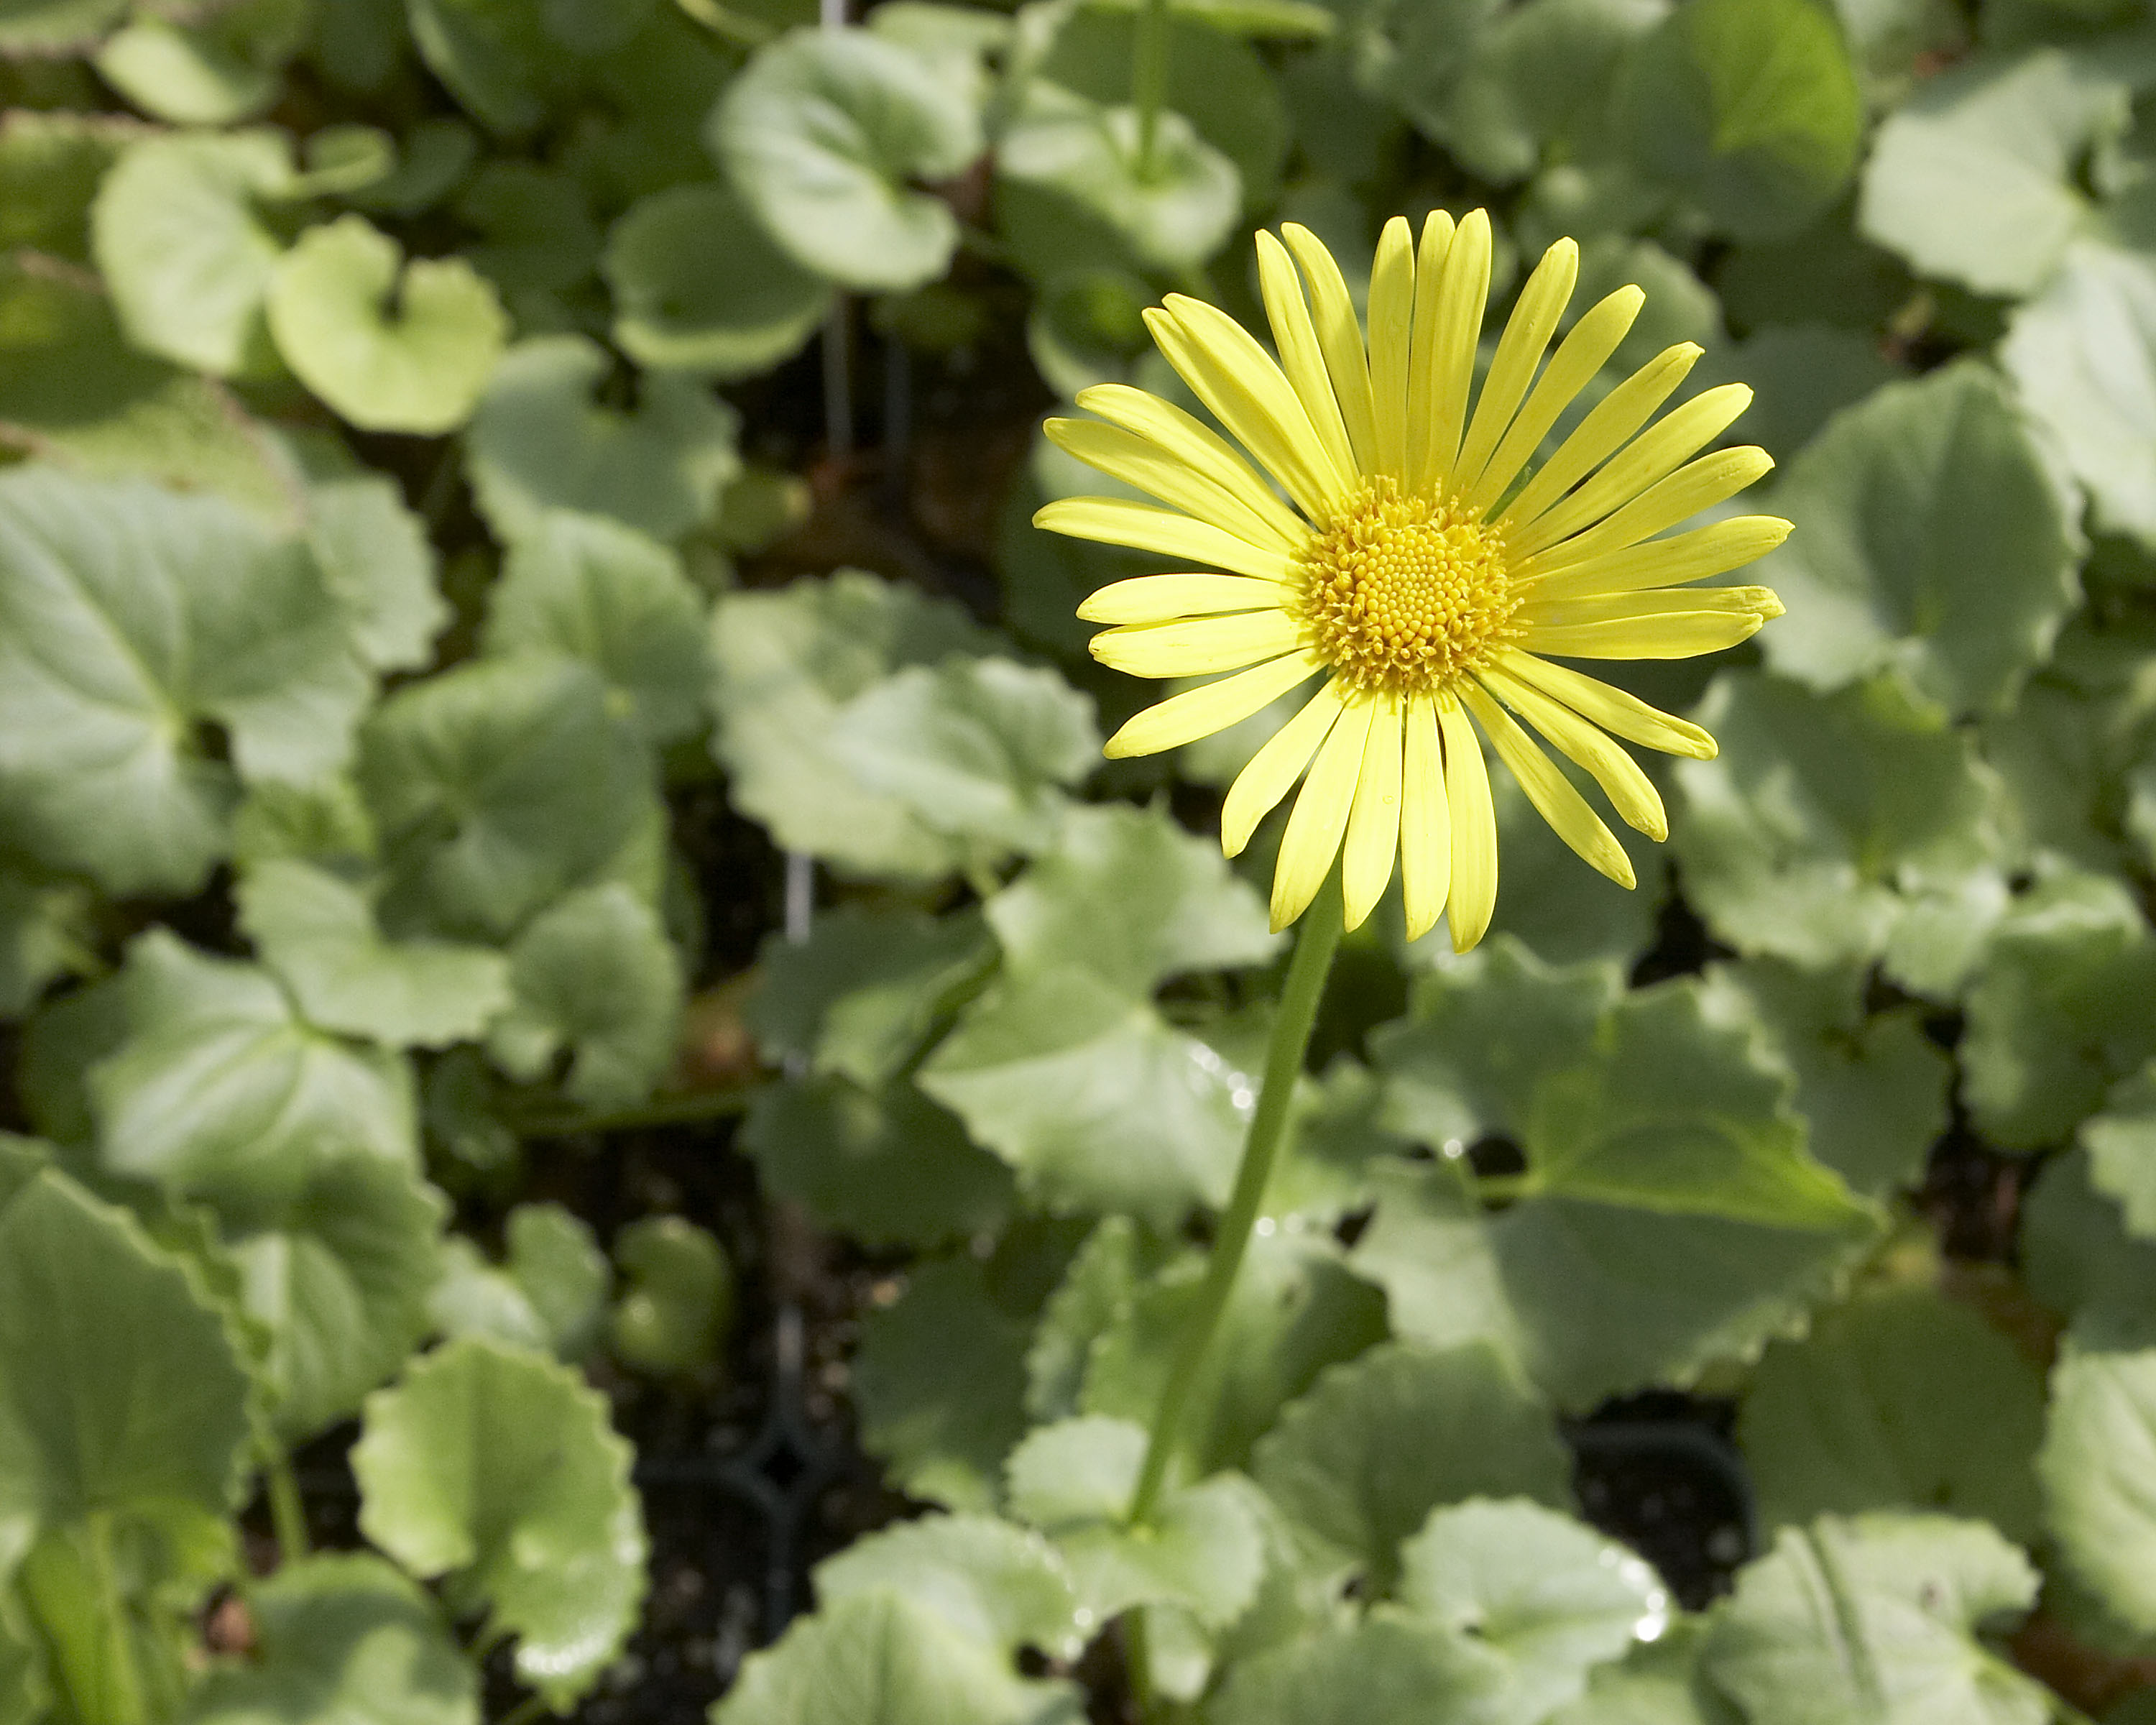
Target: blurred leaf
[(788, 663), (418, 368), (500, 1469), (585, 586), (495, 56), (1389, 1669), (497, 786), (540, 442), (342, 1636), (2063, 1007), (221, 1089), (2101, 1427), (129, 615), (1802, 376), (1749, 108), (1544, 1596), (1875, 1618), (43, 934), (181, 235), (2082, 355), (2081, 1261), (698, 287), (1873, 1086), (596, 979), (1829, 825), (50, 165), (821, 134), (536, 232), (1381, 1441), (319, 936), (2121, 1143), (674, 1314), (1928, 538), (939, 1379), (43, 26), (227, 67), (995, 1584), (887, 1657), (378, 567), (1899, 1399)]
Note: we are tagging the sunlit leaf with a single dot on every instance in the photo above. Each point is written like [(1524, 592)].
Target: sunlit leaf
[(995, 1582)]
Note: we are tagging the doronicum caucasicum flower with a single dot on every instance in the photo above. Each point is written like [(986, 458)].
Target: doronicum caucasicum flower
[(1412, 566)]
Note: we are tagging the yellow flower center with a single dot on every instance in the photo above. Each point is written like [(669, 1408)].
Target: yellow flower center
[(1406, 593)]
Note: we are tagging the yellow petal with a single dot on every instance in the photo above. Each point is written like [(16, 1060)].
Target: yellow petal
[(1193, 441), (1715, 549), (1474, 828), (1696, 485), (1578, 358), (1683, 634), (1438, 234), (1164, 598), (1425, 821), (1527, 332), (1295, 337), (1237, 379), (1616, 711), (1601, 434), (1462, 300), (1342, 339), (1373, 824), (1554, 795), (1199, 712), (1197, 648), (1139, 461), (1392, 324), (1143, 527), (1630, 793), (1275, 768), (1319, 818), (1653, 602), (1651, 457)]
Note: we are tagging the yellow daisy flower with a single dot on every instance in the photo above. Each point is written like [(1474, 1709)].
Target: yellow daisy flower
[(1410, 566)]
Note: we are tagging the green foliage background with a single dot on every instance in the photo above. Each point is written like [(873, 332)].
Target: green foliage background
[(411, 414)]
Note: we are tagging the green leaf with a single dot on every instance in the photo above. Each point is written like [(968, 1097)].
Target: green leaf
[(471, 1297), (337, 1275), (50, 164), (586, 586), (1747, 107), (788, 662), (995, 1584), (1900, 1400), (1549, 1597), (378, 567), (539, 441), (1836, 827), (1387, 1670), (181, 236), (500, 1469), (496, 56), (2121, 1143), (820, 134), (939, 1380), (1132, 897), (888, 1166), (221, 1089), (1929, 539), (498, 786), (1972, 180), (44, 933), (596, 980), (1875, 1618), (227, 67), (2100, 1433), (1173, 211), (391, 349), (342, 1636), (698, 287), (884, 1657), (2080, 1261), (1801, 377), (1872, 1086), (1201, 1549), (862, 994), (121, 1390), (537, 234), (46, 26), (1545, 901), (128, 616), (976, 748), (1363, 1458), (319, 936), (679, 1301), (2063, 1007), (1658, 1685), (550, 1293), (2083, 355)]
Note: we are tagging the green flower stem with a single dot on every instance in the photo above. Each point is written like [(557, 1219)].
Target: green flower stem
[(288, 1509), (1149, 79), (1314, 947)]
